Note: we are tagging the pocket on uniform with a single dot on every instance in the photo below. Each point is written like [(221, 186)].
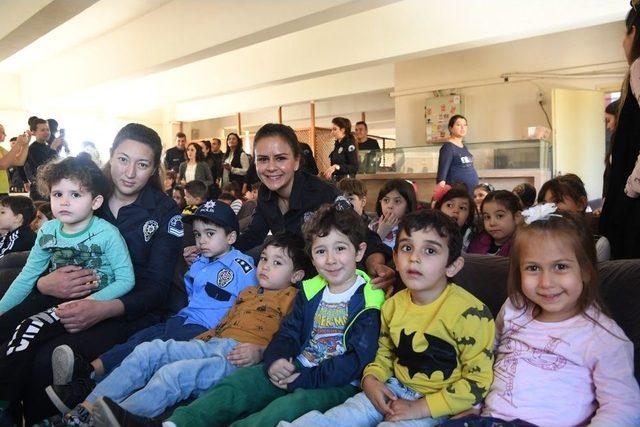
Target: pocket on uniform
[(217, 293)]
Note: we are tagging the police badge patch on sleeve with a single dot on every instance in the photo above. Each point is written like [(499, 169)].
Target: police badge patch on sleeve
[(149, 228), (351, 148), (175, 226), (246, 267)]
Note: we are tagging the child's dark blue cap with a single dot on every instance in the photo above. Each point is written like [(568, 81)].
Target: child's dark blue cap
[(217, 212)]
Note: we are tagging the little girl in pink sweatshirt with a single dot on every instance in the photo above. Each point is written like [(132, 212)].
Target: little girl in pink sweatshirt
[(560, 361)]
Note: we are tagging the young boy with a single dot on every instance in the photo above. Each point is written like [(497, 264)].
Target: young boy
[(171, 371), (322, 345), (16, 214), (76, 237), (195, 194), (212, 283), (435, 355), (356, 193)]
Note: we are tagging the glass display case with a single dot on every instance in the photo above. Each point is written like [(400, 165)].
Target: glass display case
[(498, 155)]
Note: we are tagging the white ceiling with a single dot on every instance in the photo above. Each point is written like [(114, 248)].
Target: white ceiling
[(194, 59)]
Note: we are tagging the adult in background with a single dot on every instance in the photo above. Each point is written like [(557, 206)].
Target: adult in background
[(13, 158), (151, 225), (236, 162), (361, 134), (195, 168), (176, 155), (455, 162), (217, 156), (372, 157), (308, 163), (39, 153), (344, 157), (620, 213)]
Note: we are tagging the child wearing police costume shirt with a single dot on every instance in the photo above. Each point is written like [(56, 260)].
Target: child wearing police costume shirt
[(213, 283), (435, 354)]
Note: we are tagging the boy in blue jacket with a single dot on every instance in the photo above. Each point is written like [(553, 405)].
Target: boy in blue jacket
[(316, 358)]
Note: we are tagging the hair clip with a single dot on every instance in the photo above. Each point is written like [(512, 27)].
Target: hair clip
[(541, 212), (342, 204)]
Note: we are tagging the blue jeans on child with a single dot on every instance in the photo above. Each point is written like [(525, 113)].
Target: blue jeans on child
[(358, 411), (159, 374), (174, 328)]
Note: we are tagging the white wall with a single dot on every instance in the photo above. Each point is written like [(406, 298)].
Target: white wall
[(502, 111)]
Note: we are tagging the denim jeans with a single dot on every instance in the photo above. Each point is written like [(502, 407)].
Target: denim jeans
[(174, 328), (159, 374), (358, 411)]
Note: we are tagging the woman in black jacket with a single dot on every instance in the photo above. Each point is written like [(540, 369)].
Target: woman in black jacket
[(344, 157)]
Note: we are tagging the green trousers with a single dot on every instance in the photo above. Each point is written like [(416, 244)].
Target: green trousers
[(248, 396)]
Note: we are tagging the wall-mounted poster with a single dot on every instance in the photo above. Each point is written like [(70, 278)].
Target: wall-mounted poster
[(437, 112)]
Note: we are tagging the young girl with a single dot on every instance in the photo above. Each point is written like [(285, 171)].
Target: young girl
[(177, 193), (457, 204), (560, 361), (395, 199), (500, 212), (480, 191), (569, 194)]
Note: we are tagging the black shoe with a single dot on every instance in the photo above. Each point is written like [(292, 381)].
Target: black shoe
[(66, 397), (107, 413), (68, 366)]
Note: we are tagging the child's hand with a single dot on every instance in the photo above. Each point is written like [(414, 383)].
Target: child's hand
[(245, 354), (285, 382), (474, 410), (281, 369), (190, 253), (402, 409), (379, 394), (386, 224)]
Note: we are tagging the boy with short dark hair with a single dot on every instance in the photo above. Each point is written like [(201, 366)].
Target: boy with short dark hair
[(322, 345), (435, 355), (16, 214), (213, 283), (171, 371), (195, 194), (356, 193)]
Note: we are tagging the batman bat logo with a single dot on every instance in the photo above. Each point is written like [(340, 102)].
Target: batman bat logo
[(477, 391), (483, 313), (465, 340), (439, 355)]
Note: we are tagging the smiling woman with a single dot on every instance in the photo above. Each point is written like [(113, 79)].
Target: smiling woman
[(288, 195)]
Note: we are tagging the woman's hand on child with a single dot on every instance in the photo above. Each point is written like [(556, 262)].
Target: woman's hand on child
[(379, 394), (245, 354), (68, 282), (384, 278), (79, 315), (402, 409)]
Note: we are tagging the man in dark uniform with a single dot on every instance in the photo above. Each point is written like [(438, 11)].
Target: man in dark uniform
[(176, 155), (218, 158)]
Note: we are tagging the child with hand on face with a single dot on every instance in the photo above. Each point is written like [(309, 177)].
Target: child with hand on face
[(395, 199)]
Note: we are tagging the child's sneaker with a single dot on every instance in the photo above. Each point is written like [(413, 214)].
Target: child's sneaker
[(107, 413), (78, 417), (68, 366), (65, 397)]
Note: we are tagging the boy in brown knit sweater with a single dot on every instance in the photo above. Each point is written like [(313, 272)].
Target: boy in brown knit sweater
[(159, 374)]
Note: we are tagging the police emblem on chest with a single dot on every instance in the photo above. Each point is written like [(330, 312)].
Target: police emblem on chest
[(339, 150), (149, 228), (225, 276)]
